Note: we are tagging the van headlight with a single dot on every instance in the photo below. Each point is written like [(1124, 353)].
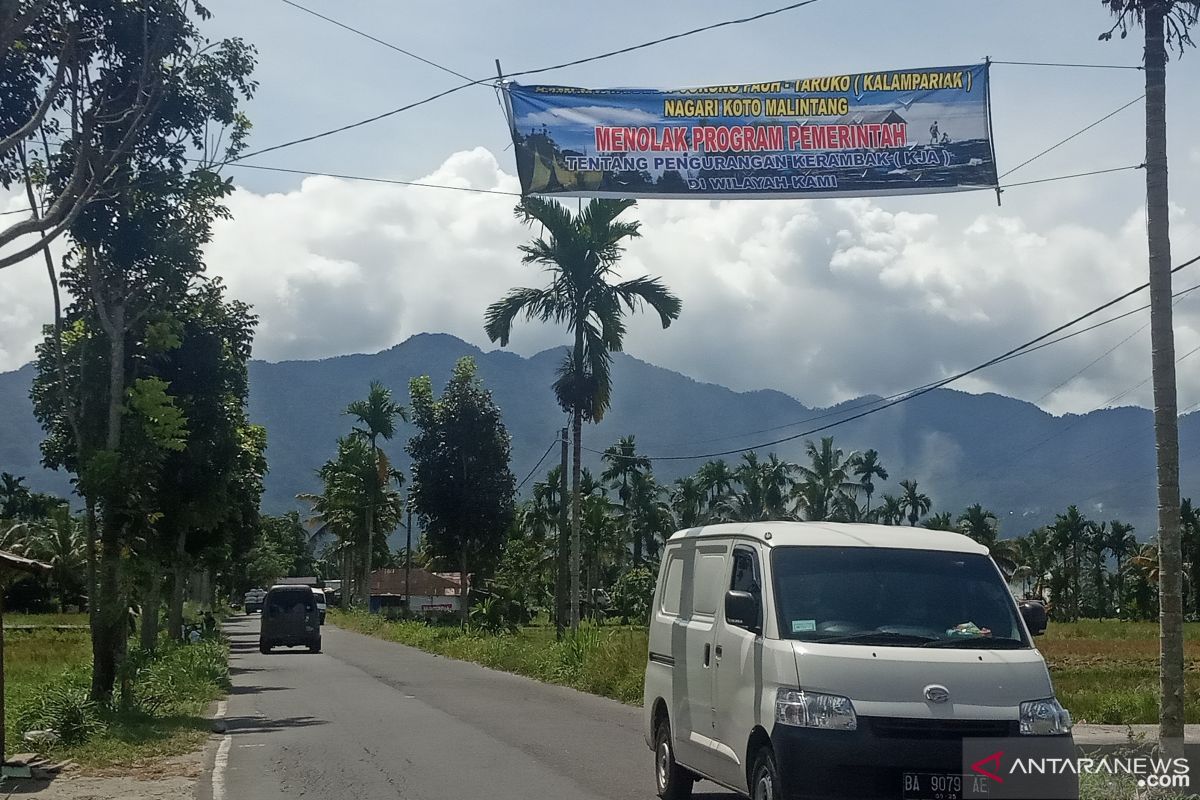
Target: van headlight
[(1044, 718), (814, 710)]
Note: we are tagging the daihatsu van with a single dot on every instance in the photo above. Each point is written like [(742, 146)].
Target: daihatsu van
[(289, 619), (814, 659)]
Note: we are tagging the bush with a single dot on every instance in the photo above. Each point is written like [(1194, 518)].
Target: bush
[(633, 594), (63, 707)]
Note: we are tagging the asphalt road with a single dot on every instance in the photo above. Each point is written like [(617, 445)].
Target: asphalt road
[(368, 719)]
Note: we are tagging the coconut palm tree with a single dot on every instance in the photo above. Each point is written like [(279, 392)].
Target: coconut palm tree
[(941, 521), (914, 503), (890, 511), (824, 480), (581, 255), (1068, 534), (60, 542), (867, 468), (1163, 22), (978, 523), (624, 463), (376, 416)]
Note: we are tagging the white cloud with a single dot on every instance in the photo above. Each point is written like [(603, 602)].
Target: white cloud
[(822, 299)]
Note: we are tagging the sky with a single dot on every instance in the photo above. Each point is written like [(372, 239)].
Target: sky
[(823, 299)]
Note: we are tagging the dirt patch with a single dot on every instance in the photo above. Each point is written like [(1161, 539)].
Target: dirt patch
[(169, 779)]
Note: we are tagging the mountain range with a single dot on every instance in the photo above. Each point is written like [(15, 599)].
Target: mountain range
[(1016, 459)]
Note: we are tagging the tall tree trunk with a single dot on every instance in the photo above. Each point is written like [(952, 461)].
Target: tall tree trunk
[(576, 511), (151, 592), (108, 630), (1166, 424), (178, 587), (364, 581), (90, 531), (463, 592), (563, 551), (347, 551)]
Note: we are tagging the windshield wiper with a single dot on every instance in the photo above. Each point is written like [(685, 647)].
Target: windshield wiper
[(982, 642), (877, 637)]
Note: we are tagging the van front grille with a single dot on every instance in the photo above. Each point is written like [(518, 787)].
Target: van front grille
[(901, 728)]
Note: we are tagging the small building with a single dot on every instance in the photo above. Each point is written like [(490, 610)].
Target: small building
[(430, 593)]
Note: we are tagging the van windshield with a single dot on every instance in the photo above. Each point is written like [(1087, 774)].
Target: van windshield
[(893, 597)]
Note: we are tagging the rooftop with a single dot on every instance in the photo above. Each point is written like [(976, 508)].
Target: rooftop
[(838, 534)]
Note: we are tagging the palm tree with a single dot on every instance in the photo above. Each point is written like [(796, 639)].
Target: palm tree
[(377, 415), (687, 501), (59, 541), (623, 463), (979, 524), (1163, 21), (1122, 544), (717, 479), (941, 521), (581, 256), (867, 468), (825, 479), (1068, 533), (914, 503), (1034, 557), (1095, 542), (891, 511)]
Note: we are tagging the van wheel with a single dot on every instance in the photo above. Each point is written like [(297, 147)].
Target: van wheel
[(264, 648), (764, 778), (672, 781), (315, 647)]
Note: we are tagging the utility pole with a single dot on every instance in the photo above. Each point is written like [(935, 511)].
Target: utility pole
[(561, 557)]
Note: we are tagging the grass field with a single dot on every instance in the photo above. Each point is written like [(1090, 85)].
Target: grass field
[(1103, 671), (47, 676)]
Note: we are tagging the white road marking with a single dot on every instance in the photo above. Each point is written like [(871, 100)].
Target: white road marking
[(219, 766), (221, 763)]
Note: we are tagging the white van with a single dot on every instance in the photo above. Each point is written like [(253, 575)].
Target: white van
[(820, 659)]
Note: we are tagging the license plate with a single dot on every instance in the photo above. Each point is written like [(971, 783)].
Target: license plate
[(943, 786)]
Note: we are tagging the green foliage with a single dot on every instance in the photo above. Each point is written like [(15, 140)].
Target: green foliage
[(633, 594), (63, 707), (462, 484), (158, 414)]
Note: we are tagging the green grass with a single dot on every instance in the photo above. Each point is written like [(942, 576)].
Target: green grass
[(48, 674), (1103, 671), (11, 620), (608, 661)]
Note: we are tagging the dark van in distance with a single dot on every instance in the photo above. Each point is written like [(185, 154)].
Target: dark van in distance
[(290, 619)]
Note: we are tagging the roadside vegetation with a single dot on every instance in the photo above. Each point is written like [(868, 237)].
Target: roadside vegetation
[(157, 711), (1104, 672)]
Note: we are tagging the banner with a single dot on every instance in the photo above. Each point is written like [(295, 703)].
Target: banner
[(875, 133)]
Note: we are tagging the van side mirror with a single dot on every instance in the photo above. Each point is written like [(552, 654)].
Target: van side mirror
[(1034, 614), (742, 610)]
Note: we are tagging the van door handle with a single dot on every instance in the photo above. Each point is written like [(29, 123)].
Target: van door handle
[(707, 654), (718, 652)]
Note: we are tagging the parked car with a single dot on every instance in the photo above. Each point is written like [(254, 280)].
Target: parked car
[(253, 601), (290, 619), (837, 660), (322, 604)]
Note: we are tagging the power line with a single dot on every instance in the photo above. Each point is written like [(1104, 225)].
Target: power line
[(1074, 66), (1079, 132), (371, 179), (489, 79), (912, 395), (1068, 177), (538, 464), (377, 40)]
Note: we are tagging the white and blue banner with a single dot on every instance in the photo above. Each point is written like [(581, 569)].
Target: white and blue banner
[(870, 134)]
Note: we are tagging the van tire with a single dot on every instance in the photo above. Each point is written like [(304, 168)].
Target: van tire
[(315, 647), (764, 777), (672, 781), (264, 648)]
